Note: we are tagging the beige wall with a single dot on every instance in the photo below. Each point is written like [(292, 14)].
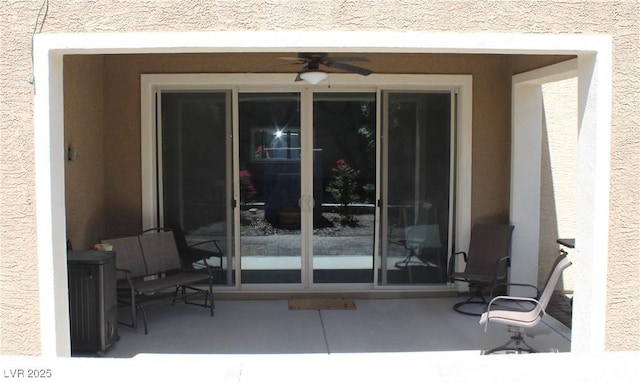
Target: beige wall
[(19, 317), (84, 132)]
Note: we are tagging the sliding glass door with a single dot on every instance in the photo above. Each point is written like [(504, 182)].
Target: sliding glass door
[(326, 196), (270, 181), (417, 188), (301, 185), (344, 160), (194, 187)]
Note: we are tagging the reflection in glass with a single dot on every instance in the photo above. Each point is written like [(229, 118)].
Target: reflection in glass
[(276, 143), (344, 176), (416, 204), (194, 175), (269, 163)]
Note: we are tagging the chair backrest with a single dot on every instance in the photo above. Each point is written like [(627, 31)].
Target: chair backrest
[(489, 243), (562, 262), (423, 236), (160, 252), (181, 240), (424, 213), (128, 256)]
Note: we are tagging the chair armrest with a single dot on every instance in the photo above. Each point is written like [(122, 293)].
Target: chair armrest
[(451, 267), (197, 255), (156, 229), (125, 271), (464, 256), (204, 263), (514, 284), (400, 242), (496, 271), (127, 277), (205, 267), (510, 299), (215, 243)]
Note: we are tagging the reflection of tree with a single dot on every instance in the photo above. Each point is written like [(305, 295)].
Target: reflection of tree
[(346, 128), (366, 149), (343, 189), (247, 189), (367, 130)]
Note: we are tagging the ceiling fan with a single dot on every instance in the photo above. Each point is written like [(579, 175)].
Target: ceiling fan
[(312, 73)]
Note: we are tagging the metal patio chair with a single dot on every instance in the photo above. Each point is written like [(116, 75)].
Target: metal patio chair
[(486, 262), (522, 312)]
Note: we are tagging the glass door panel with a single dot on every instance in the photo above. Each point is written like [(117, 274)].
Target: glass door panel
[(344, 178), (417, 179), (195, 174), (270, 187)]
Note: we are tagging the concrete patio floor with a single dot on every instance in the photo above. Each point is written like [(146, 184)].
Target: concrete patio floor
[(383, 340), (270, 327)]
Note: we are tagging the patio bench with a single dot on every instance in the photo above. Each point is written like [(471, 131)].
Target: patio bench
[(149, 269)]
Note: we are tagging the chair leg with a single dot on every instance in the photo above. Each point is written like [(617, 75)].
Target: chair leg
[(516, 344), (407, 259), (406, 262), (175, 294), (133, 324), (210, 295), (134, 311), (144, 319), (134, 308), (477, 298), (207, 292)]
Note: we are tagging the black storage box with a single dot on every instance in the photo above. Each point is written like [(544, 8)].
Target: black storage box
[(93, 305)]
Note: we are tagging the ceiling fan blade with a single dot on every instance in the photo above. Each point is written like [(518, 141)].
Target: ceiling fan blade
[(300, 60), (312, 62), (351, 68), (346, 58), (312, 55)]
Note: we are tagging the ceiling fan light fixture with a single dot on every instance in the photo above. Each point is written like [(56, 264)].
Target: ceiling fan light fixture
[(313, 76)]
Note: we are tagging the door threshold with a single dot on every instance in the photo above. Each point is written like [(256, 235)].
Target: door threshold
[(284, 295)]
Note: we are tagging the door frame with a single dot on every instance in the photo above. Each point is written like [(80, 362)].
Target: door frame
[(461, 85)]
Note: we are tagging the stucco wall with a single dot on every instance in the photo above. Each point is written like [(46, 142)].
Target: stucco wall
[(19, 328), (19, 314), (558, 175)]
